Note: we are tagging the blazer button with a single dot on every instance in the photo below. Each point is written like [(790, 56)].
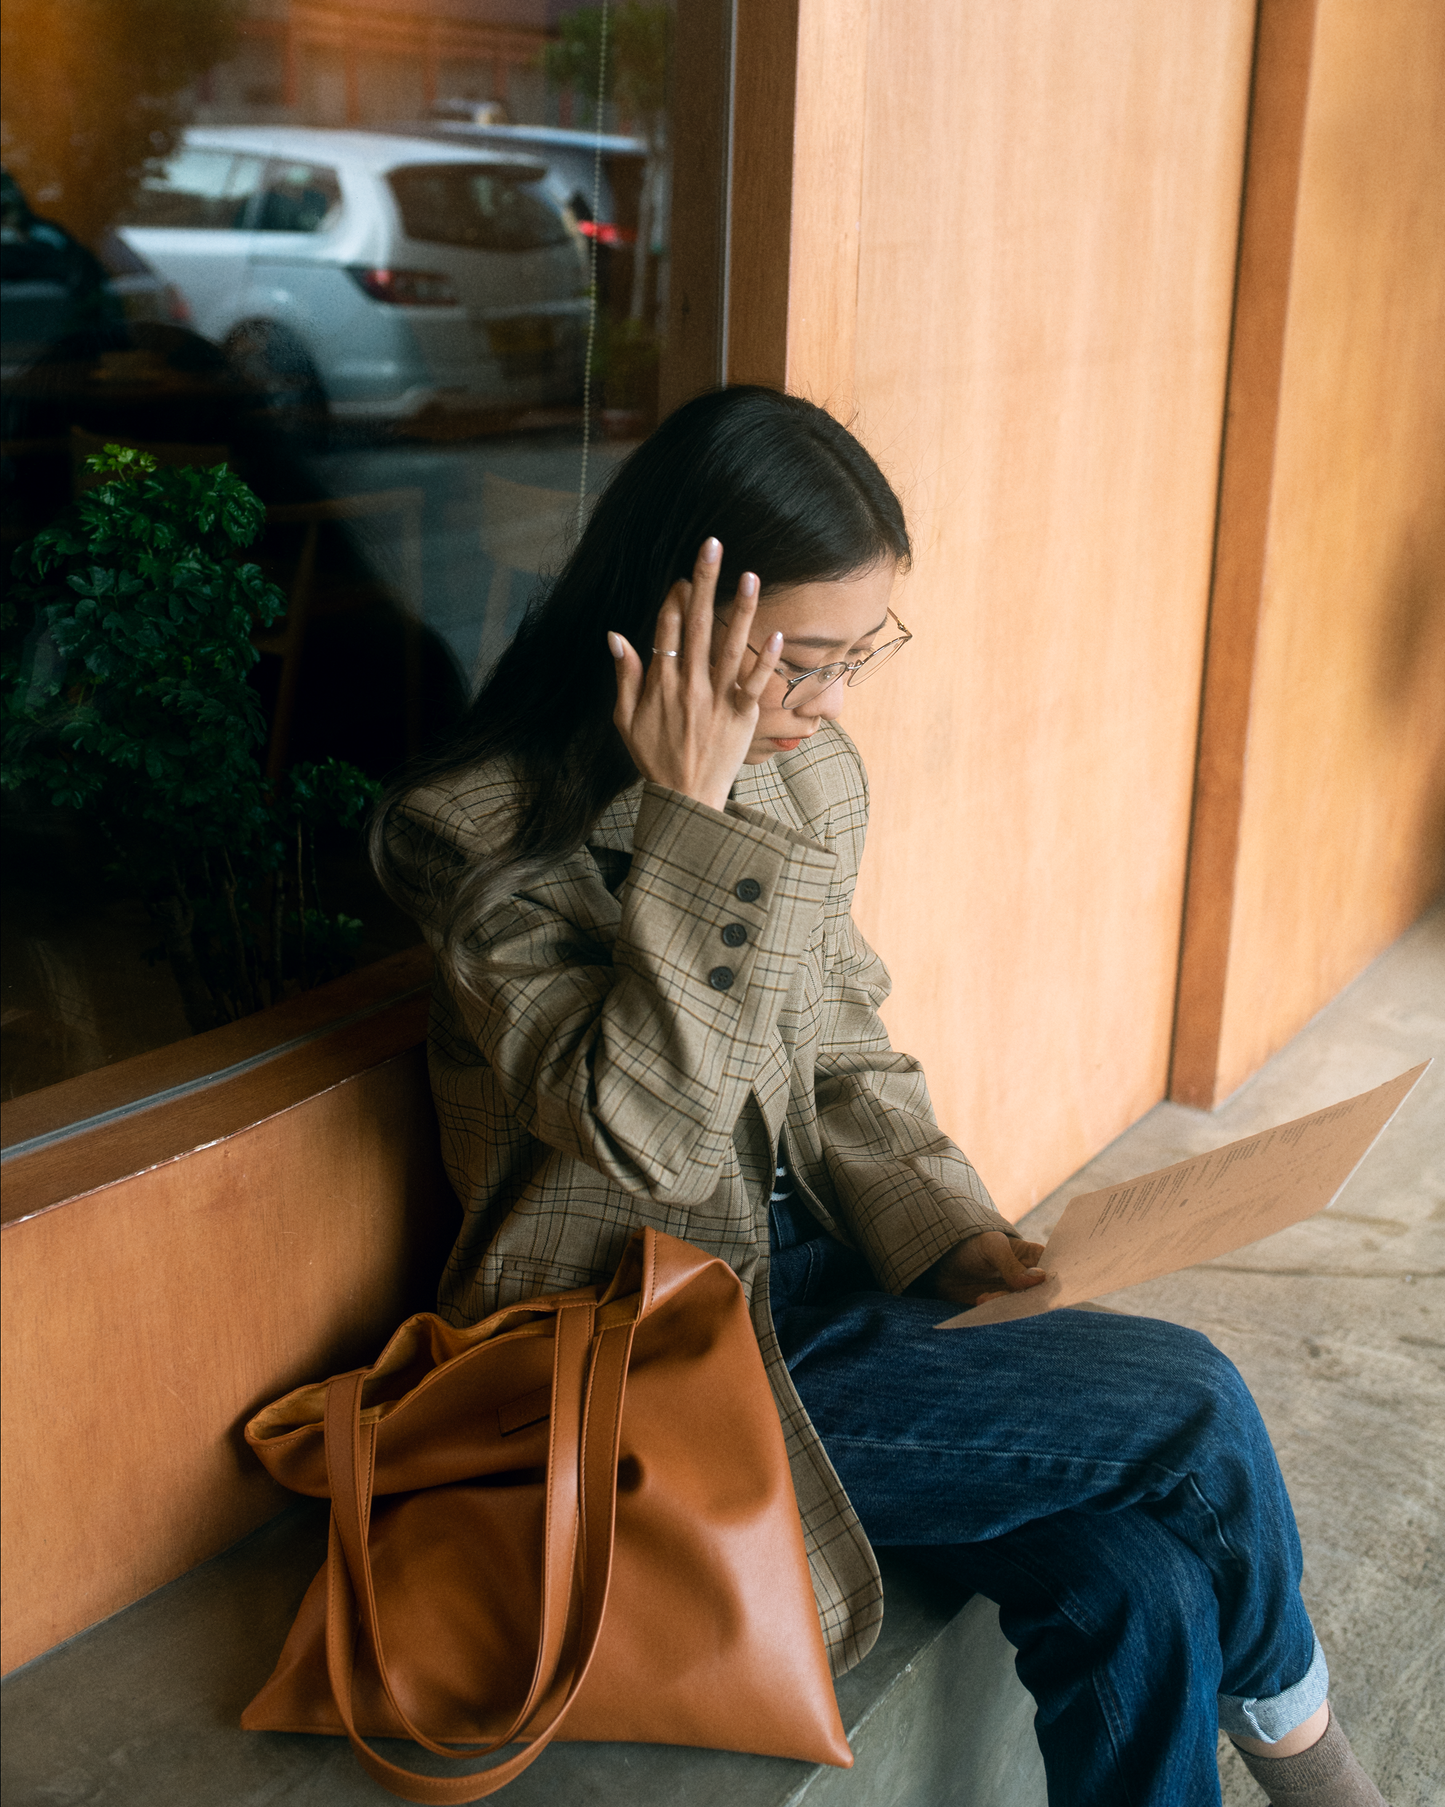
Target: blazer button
[(748, 890), (720, 978), (734, 935)]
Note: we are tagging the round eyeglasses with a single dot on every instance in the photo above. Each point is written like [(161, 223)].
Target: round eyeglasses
[(808, 686)]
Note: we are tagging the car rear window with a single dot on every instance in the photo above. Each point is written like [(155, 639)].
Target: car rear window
[(299, 197), (197, 187), (476, 206)]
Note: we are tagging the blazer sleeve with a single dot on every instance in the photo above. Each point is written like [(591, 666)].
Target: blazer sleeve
[(640, 1066), (906, 1193)]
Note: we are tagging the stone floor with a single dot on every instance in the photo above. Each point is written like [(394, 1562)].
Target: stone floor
[(1338, 1325)]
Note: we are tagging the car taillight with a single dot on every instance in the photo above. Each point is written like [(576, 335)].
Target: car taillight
[(605, 233), (406, 288)]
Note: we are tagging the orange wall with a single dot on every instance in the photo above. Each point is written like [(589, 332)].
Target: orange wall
[(1012, 256), (145, 1321), (1341, 827)]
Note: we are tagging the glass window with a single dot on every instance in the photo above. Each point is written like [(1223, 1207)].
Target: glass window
[(197, 188), (299, 197), (488, 210), (403, 399)]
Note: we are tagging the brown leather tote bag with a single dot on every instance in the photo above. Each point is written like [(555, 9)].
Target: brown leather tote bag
[(573, 1520)]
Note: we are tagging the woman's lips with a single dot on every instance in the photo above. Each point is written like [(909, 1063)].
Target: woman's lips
[(786, 746)]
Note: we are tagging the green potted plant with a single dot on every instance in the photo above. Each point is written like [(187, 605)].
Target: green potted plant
[(125, 700)]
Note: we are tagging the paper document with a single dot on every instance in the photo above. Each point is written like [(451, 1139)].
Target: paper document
[(1200, 1208)]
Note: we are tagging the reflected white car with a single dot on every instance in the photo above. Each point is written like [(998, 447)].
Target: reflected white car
[(371, 276), (571, 158)]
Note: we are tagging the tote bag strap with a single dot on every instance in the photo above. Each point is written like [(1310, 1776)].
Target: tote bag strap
[(586, 1424), (350, 1457)]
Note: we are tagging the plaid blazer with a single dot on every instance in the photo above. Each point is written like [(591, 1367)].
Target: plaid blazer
[(654, 1017)]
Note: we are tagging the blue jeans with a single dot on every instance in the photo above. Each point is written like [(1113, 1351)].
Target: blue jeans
[(1105, 1479)]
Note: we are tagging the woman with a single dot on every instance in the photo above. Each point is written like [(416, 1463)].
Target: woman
[(636, 862)]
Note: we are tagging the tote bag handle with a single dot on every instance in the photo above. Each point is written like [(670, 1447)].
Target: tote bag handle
[(585, 1432)]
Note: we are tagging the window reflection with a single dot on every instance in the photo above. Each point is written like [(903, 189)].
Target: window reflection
[(347, 248), (197, 190)]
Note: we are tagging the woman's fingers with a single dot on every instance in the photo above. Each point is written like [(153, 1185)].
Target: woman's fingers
[(697, 632), (686, 718), (1011, 1269), (741, 620), (751, 687), (629, 680), (667, 638)]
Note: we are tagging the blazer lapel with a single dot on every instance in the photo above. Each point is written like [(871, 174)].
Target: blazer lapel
[(763, 787)]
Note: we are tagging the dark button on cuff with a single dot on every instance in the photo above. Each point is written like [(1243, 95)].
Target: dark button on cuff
[(720, 978), (734, 935), (748, 889)]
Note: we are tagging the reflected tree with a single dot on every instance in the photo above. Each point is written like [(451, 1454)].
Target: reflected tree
[(92, 92), (127, 640)]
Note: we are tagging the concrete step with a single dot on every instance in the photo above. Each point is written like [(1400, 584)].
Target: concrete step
[(143, 1710)]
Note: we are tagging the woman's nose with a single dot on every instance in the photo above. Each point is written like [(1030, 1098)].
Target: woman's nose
[(826, 706)]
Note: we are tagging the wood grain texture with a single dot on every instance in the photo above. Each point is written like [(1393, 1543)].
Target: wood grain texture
[(1283, 47), (1341, 837), (144, 1323), (764, 88), (692, 346), (830, 111), (1050, 208)]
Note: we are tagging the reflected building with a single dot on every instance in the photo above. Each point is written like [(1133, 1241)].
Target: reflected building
[(367, 62)]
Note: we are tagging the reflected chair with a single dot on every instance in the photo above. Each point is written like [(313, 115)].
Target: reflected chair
[(287, 639), (524, 527)]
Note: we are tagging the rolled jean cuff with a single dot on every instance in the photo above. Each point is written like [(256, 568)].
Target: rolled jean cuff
[(1273, 1719)]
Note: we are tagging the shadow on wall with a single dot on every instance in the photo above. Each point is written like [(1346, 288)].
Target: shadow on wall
[(1412, 651), (1416, 618)]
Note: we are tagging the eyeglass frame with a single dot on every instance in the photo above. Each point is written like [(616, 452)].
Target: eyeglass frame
[(845, 668)]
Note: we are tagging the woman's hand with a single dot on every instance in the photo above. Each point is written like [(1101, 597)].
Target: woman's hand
[(985, 1267), (688, 721)]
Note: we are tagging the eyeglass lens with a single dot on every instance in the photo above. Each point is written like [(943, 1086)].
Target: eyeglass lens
[(805, 689)]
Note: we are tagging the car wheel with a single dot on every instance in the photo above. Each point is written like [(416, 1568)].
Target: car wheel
[(277, 371)]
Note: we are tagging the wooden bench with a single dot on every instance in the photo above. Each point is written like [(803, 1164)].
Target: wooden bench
[(253, 1208)]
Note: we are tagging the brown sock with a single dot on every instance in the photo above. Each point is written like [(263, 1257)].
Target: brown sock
[(1328, 1774)]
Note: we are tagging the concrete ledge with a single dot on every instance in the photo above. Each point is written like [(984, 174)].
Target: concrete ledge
[(145, 1707)]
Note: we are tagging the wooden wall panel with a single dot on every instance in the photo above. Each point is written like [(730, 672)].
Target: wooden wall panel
[(697, 128), (1278, 104), (1044, 272), (825, 245), (146, 1321), (1341, 812), (764, 90)]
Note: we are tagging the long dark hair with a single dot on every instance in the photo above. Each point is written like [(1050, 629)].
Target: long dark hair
[(790, 493)]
